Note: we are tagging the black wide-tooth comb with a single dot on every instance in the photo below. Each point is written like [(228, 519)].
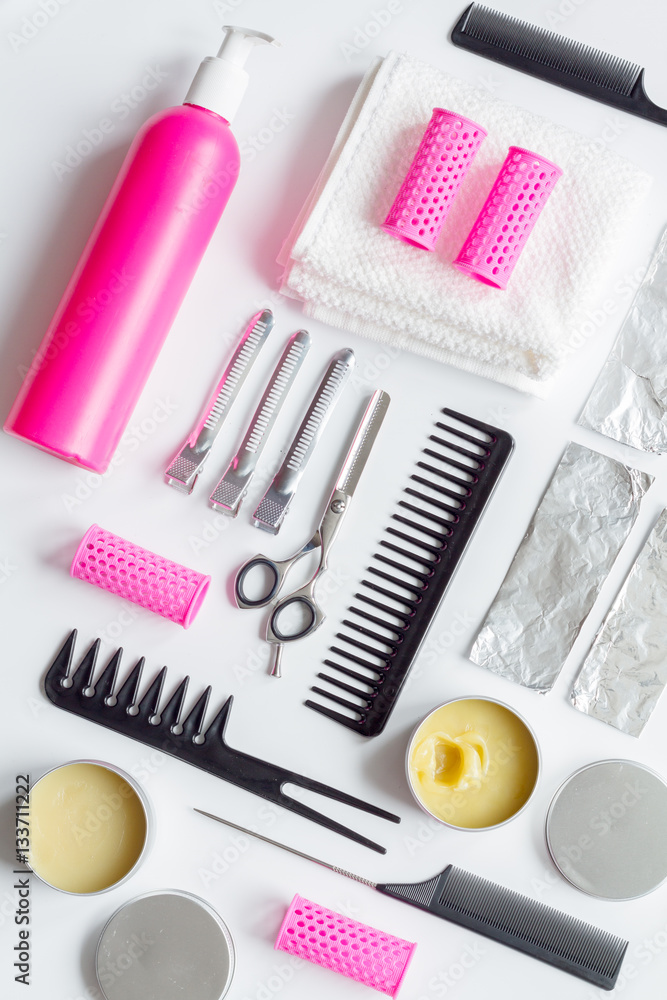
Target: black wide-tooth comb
[(440, 517), (144, 720), (556, 59)]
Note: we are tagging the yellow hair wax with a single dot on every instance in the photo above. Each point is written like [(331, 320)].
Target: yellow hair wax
[(473, 763), (87, 827)]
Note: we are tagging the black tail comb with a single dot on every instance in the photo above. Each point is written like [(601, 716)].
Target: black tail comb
[(409, 577), (142, 719), (556, 59), (525, 924)]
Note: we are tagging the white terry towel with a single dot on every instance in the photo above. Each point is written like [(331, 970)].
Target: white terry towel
[(353, 275)]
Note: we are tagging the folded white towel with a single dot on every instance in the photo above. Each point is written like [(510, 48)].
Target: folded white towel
[(351, 274)]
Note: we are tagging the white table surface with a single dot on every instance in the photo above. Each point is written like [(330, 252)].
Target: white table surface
[(70, 72)]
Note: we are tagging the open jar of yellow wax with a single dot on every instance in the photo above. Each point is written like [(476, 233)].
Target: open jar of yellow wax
[(90, 827), (473, 763)]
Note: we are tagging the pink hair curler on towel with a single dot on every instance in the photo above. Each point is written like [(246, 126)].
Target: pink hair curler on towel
[(519, 193), (447, 149), (343, 945), (140, 576)]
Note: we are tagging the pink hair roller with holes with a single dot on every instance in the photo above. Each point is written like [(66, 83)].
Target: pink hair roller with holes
[(140, 576), (343, 945), (519, 193), (447, 149)]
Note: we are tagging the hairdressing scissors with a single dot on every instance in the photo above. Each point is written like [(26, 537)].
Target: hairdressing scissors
[(298, 614)]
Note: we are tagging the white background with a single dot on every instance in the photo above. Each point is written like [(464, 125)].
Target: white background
[(66, 77)]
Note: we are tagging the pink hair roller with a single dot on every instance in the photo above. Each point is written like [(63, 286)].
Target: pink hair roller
[(343, 945), (140, 576), (447, 149), (519, 193)]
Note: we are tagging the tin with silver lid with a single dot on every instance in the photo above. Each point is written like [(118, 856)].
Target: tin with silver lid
[(165, 945), (606, 829)]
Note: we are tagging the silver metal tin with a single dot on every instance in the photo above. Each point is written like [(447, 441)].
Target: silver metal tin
[(165, 945), (453, 826), (606, 829), (148, 814)]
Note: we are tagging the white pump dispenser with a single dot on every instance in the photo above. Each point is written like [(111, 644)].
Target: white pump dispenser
[(221, 80)]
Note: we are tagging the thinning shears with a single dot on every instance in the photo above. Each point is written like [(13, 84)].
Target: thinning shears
[(298, 614)]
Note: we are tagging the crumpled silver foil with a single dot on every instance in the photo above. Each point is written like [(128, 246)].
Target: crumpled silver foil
[(626, 669), (629, 399), (576, 533)]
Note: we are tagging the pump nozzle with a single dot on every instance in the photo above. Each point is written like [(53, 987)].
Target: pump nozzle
[(238, 42), (221, 80)]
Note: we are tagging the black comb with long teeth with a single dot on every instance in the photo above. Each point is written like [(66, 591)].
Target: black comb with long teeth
[(409, 576), (142, 719)]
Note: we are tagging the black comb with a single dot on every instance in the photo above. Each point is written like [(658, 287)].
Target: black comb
[(556, 59), (144, 720), (524, 924), (410, 575)]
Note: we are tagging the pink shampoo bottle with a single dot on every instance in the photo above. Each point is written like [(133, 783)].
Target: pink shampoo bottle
[(102, 343)]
